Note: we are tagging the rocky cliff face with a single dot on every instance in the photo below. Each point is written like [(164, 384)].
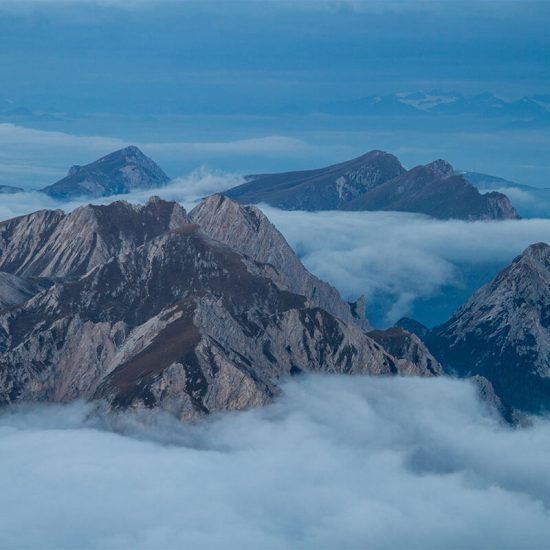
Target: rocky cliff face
[(114, 174), (503, 333), (406, 345), (50, 243), (247, 230), (175, 320), (377, 181), (16, 290), (322, 189)]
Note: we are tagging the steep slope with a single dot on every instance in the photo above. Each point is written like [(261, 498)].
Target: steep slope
[(406, 345), (323, 189), (503, 333), (16, 290), (181, 323), (117, 173), (50, 243), (434, 189), (248, 231)]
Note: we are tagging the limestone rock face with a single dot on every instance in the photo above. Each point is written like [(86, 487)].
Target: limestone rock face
[(117, 173), (503, 333), (16, 290), (247, 230), (406, 345), (171, 319), (53, 244)]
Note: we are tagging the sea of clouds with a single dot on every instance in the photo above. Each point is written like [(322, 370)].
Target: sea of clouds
[(404, 264), (336, 462)]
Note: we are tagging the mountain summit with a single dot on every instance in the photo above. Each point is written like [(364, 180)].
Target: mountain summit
[(117, 173), (321, 189), (503, 333)]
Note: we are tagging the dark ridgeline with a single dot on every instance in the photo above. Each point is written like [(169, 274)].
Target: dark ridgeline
[(377, 181)]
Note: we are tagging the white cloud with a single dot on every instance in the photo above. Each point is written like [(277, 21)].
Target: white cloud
[(403, 256), (336, 463)]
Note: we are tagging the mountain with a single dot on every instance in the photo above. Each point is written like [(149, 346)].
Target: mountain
[(435, 190), (322, 189), (8, 189), (117, 173), (16, 290), (50, 243), (248, 231), (407, 345), (377, 181), (503, 333), (166, 316), (531, 202)]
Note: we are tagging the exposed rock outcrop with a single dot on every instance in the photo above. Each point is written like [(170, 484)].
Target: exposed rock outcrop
[(322, 189), (503, 333), (247, 230), (50, 243), (408, 346)]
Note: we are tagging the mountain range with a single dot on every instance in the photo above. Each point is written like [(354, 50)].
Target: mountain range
[(142, 307), (150, 306), (374, 181), (377, 181), (437, 102)]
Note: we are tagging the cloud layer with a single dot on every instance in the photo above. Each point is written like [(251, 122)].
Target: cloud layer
[(397, 259), (336, 463)]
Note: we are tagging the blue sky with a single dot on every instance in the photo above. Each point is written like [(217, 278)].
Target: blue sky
[(189, 71)]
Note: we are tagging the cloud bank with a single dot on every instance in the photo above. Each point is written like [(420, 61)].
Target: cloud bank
[(398, 259), (336, 463)]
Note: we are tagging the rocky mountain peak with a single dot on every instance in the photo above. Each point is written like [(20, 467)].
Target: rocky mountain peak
[(116, 173), (247, 230), (440, 168), (503, 333)]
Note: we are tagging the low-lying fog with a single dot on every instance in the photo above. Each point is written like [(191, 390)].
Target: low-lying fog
[(337, 462)]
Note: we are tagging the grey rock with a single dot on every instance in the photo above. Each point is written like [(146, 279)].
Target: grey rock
[(377, 181), (406, 345), (54, 244), (117, 173), (16, 290), (322, 189), (248, 231), (435, 190), (181, 323), (503, 333)]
